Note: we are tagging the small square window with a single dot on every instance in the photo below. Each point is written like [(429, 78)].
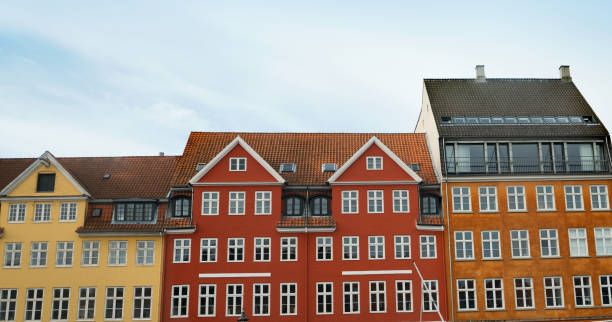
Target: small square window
[(237, 164), (374, 163), (46, 182)]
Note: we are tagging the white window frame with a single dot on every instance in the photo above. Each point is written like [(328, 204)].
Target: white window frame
[(206, 296), (430, 288), (375, 245), (401, 201), (67, 249), (288, 243), (117, 252), (553, 288), (429, 243), (68, 212), (578, 243), (263, 200), (235, 164), (326, 243), (60, 305), (209, 249), (289, 294), (374, 163), (349, 241), (376, 201), (401, 245), (605, 282), (465, 242), (183, 301), (402, 295), (210, 203), (238, 198), (265, 243), (599, 197), (90, 253), (114, 298), (13, 255), (494, 289), (603, 241), (583, 287), (36, 252), (525, 290), (551, 241), (8, 300), (491, 241), (350, 201), (487, 194), (325, 293), (145, 252), (264, 297), (466, 290), (378, 294), (518, 240), (547, 197), (17, 213), (37, 304), (42, 212), (138, 313), (462, 193), (89, 304), (181, 249), (574, 194), (238, 247), (350, 296), (234, 296), (518, 194)]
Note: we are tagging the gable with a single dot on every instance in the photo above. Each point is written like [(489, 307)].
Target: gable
[(391, 171)]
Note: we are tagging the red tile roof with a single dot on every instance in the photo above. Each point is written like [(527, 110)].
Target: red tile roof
[(308, 150)]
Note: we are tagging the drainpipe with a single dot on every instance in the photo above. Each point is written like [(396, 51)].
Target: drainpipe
[(306, 213), (448, 233)]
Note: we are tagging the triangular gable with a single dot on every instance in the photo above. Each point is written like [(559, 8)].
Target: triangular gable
[(385, 149), (44, 160), (237, 141)]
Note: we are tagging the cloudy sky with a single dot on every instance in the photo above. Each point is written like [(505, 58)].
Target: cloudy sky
[(87, 78)]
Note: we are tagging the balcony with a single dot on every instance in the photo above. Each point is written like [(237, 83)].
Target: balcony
[(524, 166), (304, 224), (433, 222)]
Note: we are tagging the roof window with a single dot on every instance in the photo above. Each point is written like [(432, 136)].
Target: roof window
[(329, 167), (287, 167)]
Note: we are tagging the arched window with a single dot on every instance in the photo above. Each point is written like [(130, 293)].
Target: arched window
[(429, 205), (319, 206), (181, 207), (294, 206)]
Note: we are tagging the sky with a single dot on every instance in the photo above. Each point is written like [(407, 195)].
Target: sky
[(102, 78)]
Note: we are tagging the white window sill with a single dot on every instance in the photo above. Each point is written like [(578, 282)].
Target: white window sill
[(522, 258), (464, 259), (608, 255), (467, 310), (350, 213), (574, 210), (494, 310), (596, 210), (63, 266), (556, 308), (525, 308), (580, 256), (350, 259), (90, 265), (11, 267), (492, 259), (518, 211), (550, 257), (489, 211), (546, 210), (38, 266), (586, 307), (263, 215), (463, 212), (67, 220), (202, 215), (235, 214), (16, 222)]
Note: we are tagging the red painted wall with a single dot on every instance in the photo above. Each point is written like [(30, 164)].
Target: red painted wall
[(255, 171), (391, 170)]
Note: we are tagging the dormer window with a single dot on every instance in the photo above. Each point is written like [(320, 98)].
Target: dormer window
[(126, 212), (181, 207), (46, 182), (319, 206), (374, 163), (294, 206), (237, 164), (429, 205)]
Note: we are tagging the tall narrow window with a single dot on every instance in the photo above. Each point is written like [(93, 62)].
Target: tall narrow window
[(430, 296), (38, 254), (181, 207), (573, 198), (403, 295), (520, 243), (494, 294), (142, 303), (68, 211), (325, 304), (466, 294), (603, 241), (288, 298), (42, 212), (117, 252), (578, 242), (233, 299), (113, 309), (293, 206), (90, 253), (17, 212), (549, 244), (516, 198), (8, 304), (210, 203), (350, 247), (553, 292), (488, 199), (261, 249), (523, 293), (238, 164), (34, 304), (145, 252), (375, 201), (428, 246), (402, 247), (605, 283), (12, 254), (378, 297), (63, 254), (400, 201), (376, 246), (87, 303), (60, 304), (263, 201), (582, 291), (461, 199), (289, 248), (429, 205), (235, 249), (261, 299), (236, 203), (490, 245), (319, 206), (545, 198), (599, 197), (349, 202), (182, 250), (464, 245), (208, 250), (207, 299), (324, 248), (179, 301), (350, 295)]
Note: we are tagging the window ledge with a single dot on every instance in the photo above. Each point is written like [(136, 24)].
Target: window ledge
[(11, 267), (586, 307), (580, 256), (599, 210), (518, 211), (522, 258), (556, 308), (465, 259), (546, 210), (550, 257), (463, 212), (16, 222), (610, 255), (470, 310), (525, 308), (263, 214), (495, 310), (489, 211), (492, 259), (574, 210), (201, 214)]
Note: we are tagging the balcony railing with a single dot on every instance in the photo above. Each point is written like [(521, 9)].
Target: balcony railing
[(430, 220), (467, 165), (305, 223)]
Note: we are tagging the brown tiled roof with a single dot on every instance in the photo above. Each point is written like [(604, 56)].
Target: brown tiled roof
[(510, 97), (308, 150)]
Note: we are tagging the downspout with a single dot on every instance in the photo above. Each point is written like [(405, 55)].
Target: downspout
[(448, 233), (306, 213)]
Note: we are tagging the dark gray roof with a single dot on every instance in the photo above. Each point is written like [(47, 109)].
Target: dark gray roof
[(510, 97)]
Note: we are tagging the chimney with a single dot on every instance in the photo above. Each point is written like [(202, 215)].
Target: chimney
[(564, 73), (480, 74), (161, 154)]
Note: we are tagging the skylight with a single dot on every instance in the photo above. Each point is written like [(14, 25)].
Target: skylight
[(513, 120)]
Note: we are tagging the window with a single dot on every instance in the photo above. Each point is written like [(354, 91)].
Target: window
[(8, 304), (87, 303), (494, 294), (293, 206), (603, 241), (208, 250), (38, 254), (325, 304), (523, 293), (61, 304), (46, 182), (599, 197), (466, 294), (181, 207), (488, 199), (207, 299), (549, 245), (210, 203), (430, 296), (68, 211), (582, 291), (34, 304), (42, 212), (142, 303), (237, 164), (605, 283), (350, 295), (288, 248), (400, 201), (403, 295), (461, 199), (63, 254), (235, 249), (261, 299), (17, 212), (288, 298), (233, 299), (464, 245), (375, 201), (490, 245), (402, 247), (236, 203), (578, 242), (376, 246), (428, 246), (378, 297), (350, 247), (573, 198), (262, 249), (117, 252), (90, 253), (12, 254), (516, 198), (182, 249), (545, 198), (553, 292), (349, 202), (374, 163), (134, 212), (263, 201), (320, 206), (180, 301), (145, 252), (429, 205), (324, 248), (520, 243)]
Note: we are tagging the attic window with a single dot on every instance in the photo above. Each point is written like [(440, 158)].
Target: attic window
[(446, 120), (471, 120), (200, 166), (497, 120), (329, 167), (96, 212), (287, 167), (107, 176), (237, 164), (484, 120), (134, 212), (46, 182), (575, 119), (537, 120), (415, 167), (563, 119), (550, 120), (459, 120), (523, 120), (587, 119), (510, 120), (374, 163)]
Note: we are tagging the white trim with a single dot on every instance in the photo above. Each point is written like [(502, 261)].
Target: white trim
[(377, 272), (365, 147), (374, 158), (231, 275), (45, 159), (526, 178), (238, 140), (430, 227), (121, 233), (354, 183), (306, 229), (67, 198), (214, 184), (178, 231), (238, 163)]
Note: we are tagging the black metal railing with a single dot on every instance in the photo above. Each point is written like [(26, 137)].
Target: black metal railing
[(575, 165)]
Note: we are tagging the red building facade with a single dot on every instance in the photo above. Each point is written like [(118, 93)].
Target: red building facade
[(303, 227)]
